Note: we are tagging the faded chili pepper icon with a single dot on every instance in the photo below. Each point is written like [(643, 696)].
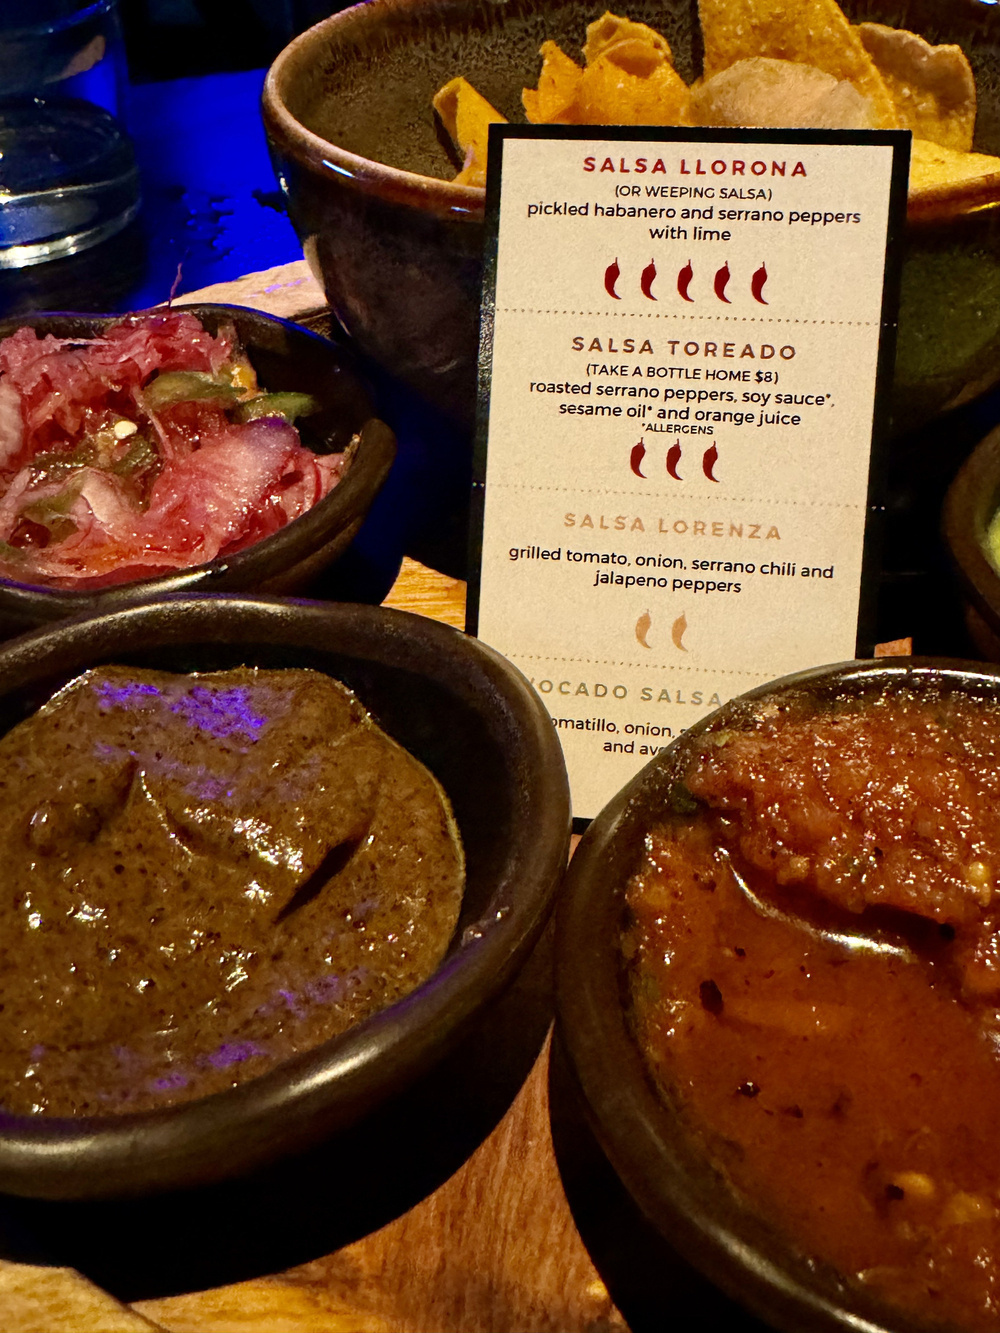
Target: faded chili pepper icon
[(721, 283), (757, 284), (709, 462), (636, 457), (646, 281), (678, 630), (673, 458), (684, 281), (611, 275), (642, 626)]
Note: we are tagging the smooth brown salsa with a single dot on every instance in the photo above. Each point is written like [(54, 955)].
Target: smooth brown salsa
[(813, 949), (204, 875)]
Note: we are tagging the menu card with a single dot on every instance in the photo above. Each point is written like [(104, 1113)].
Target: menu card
[(686, 340)]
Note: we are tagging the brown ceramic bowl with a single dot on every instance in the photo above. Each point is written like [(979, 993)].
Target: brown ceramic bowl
[(971, 502), (679, 1189), (398, 246), (285, 356), (462, 710)]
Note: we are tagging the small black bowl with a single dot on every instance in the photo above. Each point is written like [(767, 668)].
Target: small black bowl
[(285, 357), (462, 710), (678, 1188), (972, 500)]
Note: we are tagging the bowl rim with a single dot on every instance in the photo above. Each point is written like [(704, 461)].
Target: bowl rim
[(340, 1080), (461, 203), (433, 194), (345, 504), (659, 1164)]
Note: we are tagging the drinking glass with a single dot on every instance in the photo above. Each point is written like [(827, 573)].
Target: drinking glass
[(68, 176)]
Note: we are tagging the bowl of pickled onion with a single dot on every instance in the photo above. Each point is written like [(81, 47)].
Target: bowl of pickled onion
[(210, 448)]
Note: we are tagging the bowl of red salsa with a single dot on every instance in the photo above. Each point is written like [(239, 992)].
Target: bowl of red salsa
[(208, 448), (778, 984)]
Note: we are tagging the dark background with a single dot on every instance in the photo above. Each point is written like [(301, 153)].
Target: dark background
[(170, 39)]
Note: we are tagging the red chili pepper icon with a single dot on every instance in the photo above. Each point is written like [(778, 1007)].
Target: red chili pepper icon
[(684, 281), (709, 462), (611, 276), (673, 458), (721, 282), (636, 457), (646, 281), (757, 284)]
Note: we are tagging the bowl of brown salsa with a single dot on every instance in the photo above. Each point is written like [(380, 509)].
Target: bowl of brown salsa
[(779, 986), (265, 862)]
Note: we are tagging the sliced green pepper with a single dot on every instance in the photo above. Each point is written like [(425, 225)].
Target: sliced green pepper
[(84, 455), (184, 386), (52, 513), (139, 458), (59, 528), (285, 405)]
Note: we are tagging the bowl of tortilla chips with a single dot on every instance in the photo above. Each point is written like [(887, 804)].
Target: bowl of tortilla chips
[(378, 118)]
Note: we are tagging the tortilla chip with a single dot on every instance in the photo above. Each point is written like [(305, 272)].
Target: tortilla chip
[(609, 31), (629, 80), (932, 164), (944, 182), (635, 57), (810, 32), (776, 93), (894, 648), (558, 85), (467, 116), (609, 95), (933, 87)]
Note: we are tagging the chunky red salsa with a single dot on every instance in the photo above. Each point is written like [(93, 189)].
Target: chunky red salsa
[(143, 451), (814, 960)]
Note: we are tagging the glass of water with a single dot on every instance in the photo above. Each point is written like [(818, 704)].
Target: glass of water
[(68, 176)]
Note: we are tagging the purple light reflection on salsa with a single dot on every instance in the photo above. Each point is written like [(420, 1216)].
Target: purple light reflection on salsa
[(220, 713), (291, 999), (234, 1053), (170, 1081), (111, 695)]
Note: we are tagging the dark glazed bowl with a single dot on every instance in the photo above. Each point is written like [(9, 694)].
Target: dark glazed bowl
[(398, 248), (462, 710), (285, 356), (683, 1194), (972, 500)]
